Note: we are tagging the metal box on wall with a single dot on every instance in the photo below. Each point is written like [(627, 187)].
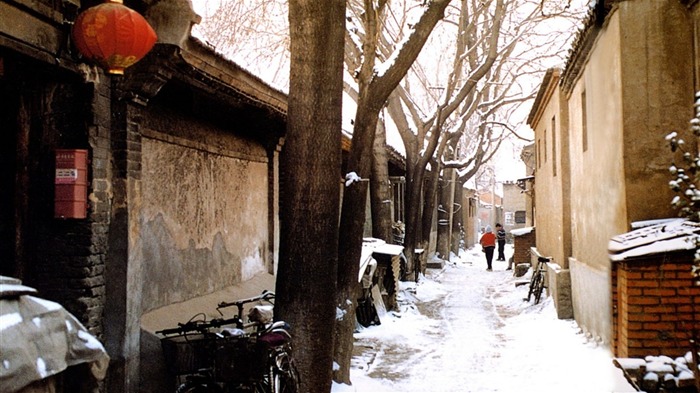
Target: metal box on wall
[(70, 200)]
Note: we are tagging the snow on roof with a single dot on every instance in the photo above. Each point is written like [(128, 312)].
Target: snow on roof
[(647, 223), (521, 231), (389, 249), (667, 236)]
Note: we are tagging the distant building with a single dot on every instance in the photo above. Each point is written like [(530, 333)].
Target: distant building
[(490, 209), (514, 206)]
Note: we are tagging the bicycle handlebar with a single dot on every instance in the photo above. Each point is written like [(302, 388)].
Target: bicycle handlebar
[(200, 326), (204, 326), (266, 295)]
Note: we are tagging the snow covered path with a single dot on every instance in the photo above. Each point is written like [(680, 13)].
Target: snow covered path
[(463, 329)]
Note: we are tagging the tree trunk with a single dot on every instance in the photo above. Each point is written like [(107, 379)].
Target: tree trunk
[(310, 161), (350, 249), (457, 216), (429, 204), (414, 180), (443, 216), (380, 187)]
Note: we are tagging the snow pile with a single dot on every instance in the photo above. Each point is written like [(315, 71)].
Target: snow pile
[(659, 373), (522, 231)]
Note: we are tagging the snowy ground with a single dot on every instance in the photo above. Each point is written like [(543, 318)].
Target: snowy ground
[(463, 329)]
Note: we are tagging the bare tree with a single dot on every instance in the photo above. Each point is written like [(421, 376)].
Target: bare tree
[(376, 78), (497, 46), (252, 33)]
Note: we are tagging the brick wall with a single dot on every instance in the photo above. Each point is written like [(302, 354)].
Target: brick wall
[(654, 306), (64, 259), (521, 246)]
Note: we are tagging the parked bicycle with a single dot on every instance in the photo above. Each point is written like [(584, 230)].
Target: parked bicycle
[(537, 281), (230, 355)]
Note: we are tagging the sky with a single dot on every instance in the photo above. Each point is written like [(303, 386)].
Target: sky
[(463, 329)]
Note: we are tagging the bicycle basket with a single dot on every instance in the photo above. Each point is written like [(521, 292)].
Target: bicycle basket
[(239, 359), (185, 354)]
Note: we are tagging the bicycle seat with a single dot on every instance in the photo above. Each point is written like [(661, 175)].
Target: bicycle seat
[(275, 338), (276, 334), (232, 332), (544, 259)]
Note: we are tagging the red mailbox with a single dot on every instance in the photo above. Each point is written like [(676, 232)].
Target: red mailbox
[(71, 183)]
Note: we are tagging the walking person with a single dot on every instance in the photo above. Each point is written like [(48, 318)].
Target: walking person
[(488, 245), (501, 239)]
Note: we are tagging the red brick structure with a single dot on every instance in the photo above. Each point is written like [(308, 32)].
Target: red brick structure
[(655, 304), (523, 240), (655, 307)]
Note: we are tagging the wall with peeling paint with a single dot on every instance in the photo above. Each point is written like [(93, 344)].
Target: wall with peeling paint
[(204, 216)]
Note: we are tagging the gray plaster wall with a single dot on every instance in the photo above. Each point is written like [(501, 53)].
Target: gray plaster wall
[(205, 215), (591, 299)]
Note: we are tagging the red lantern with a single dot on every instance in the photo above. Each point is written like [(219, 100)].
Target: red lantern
[(113, 36)]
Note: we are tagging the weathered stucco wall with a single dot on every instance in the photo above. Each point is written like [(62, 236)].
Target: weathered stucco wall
[(598, 209), (598, 197), (205, 213), (551, 143), (656, 47), (637, 88), (695, 14)]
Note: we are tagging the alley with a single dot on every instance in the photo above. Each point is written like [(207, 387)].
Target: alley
[(463, 329)]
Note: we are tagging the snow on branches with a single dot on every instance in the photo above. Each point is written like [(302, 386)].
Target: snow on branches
[(687, 175)]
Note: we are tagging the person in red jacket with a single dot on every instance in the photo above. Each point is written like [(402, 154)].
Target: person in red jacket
[(488, 245)]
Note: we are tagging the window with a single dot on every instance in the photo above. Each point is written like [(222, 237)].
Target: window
[(584, 122), (520, 217), (539, 153), (545, 146), (554, 145), (510, 218)]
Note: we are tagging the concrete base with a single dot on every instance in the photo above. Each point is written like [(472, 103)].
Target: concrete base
[(558, 283), (521, 269), (435, 264), (560, 289)]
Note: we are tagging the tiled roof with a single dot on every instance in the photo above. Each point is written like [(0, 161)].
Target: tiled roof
[(583, 42), (674, 235)]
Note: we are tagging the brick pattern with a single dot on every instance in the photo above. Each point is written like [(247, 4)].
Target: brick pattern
[(522, 245), (67, 265), (655, 306)]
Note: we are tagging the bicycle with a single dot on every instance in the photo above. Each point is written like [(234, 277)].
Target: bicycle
[(251, 356), (537, 281)]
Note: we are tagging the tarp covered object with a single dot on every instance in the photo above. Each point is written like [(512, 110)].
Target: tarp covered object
[(39, 339)]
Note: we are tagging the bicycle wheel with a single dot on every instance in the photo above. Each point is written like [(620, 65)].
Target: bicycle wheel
[(198, 387), (534, 284), (261, 387), (286, 379), (539, 287)]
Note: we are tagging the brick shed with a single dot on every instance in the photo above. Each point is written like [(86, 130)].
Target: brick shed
[(523, 240), (655, 305)]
